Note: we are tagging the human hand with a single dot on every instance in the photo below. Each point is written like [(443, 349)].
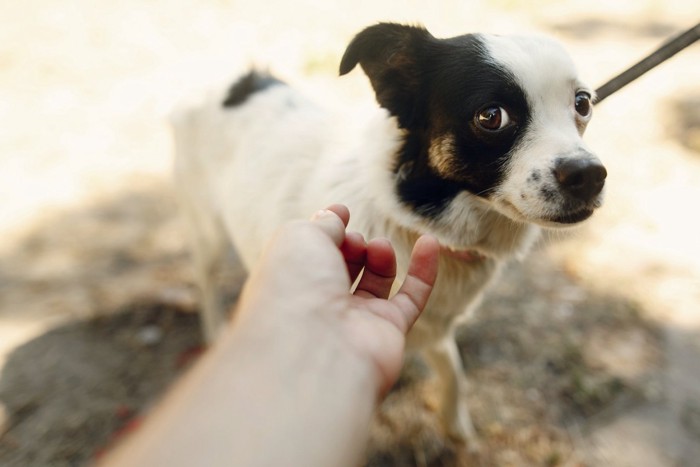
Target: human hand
[(303, 364), (305, 278)]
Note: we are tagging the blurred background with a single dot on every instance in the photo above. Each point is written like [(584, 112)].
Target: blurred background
[(587, 353)]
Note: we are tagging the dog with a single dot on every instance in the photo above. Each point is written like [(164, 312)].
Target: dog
[(477, 140)]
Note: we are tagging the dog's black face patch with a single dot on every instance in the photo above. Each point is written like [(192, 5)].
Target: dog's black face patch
[(418, 185), (463, 84), (248, 85), (437, 88)]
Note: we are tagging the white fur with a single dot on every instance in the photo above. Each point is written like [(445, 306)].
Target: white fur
[(550, 81), (244, 171)]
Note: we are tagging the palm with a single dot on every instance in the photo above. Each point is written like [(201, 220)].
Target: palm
[(375, 325)]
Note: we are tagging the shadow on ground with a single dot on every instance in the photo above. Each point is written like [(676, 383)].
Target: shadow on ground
[(547, 360), (547, 357), (684, 126), (592, 27), (73, 390)]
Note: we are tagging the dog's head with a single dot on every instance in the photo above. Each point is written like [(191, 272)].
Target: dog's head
[(498, 117)]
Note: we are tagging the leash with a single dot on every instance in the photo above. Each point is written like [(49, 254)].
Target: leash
[(660, 55)]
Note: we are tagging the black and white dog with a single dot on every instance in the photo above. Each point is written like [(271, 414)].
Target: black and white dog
[(477, 141)]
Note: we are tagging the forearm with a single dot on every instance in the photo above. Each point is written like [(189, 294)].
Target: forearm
[(259, 399), (295, 380)]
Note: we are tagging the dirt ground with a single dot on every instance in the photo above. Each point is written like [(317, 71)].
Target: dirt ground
[(585, 354)]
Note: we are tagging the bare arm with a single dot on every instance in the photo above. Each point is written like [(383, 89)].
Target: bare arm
[(295, 378)]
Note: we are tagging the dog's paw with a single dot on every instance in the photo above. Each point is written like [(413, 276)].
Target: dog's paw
[(461, 431)]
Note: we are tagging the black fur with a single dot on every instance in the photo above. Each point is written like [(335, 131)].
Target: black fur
[(417, 184), (435, 88), (251, 83), (389, 54)]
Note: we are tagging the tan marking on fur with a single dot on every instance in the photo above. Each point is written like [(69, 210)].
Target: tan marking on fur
[(441, 155)]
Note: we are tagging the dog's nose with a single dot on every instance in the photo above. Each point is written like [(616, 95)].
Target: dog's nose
[(581, 178)]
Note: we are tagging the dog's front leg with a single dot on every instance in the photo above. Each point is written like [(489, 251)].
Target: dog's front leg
[(208, 246), (446, 361)]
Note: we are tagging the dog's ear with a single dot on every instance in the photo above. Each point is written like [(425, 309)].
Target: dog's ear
[(390, 54)]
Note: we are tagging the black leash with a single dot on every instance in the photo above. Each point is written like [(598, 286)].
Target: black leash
[(660, 55)]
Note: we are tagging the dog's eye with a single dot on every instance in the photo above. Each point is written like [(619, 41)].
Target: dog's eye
[(582, 103), (492, 118)]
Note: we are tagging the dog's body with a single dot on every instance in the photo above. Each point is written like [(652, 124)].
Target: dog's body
[(478, 142)]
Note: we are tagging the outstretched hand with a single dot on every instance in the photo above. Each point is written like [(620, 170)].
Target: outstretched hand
[(305, 360), (308, 270)]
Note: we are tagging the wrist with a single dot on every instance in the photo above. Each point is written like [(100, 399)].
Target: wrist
[(312, 382)]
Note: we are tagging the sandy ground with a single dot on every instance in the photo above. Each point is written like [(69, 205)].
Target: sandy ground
[(585, 354)]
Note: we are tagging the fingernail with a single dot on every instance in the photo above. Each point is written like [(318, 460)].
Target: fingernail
[(321, 213)]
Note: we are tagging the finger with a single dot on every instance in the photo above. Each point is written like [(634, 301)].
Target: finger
[(354, 250), (422, 273), (380, 270), (331, 224)]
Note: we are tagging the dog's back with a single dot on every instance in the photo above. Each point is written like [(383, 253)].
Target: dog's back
[(259, 153), (238, 149)]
